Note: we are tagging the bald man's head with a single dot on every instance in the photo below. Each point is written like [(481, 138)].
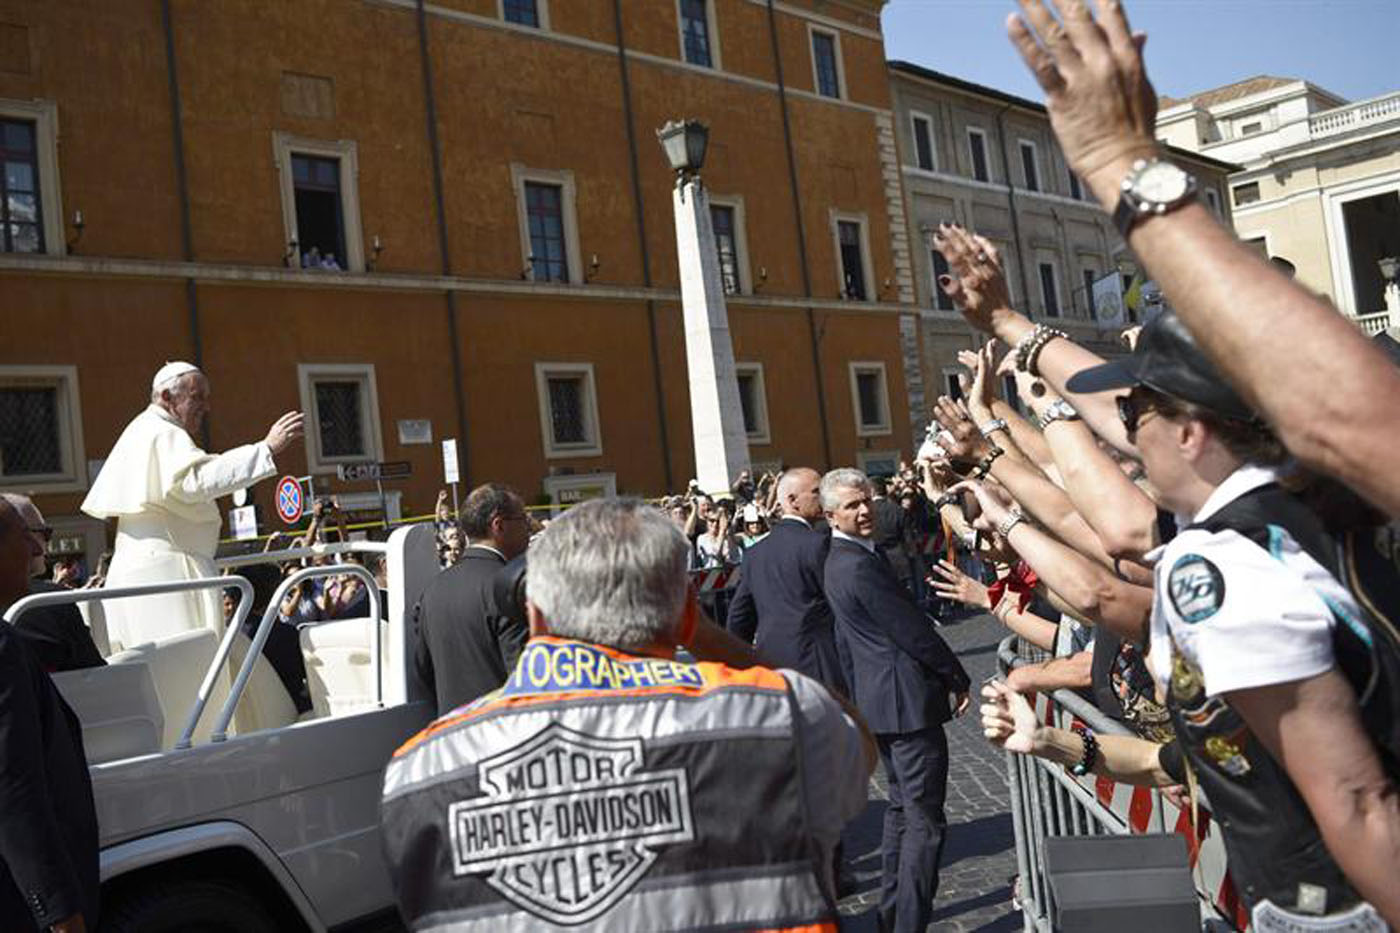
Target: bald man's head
[(799, 493), (17, 548), (33, 519)]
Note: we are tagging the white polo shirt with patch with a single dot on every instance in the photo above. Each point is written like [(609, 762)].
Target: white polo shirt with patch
[(1244, 615)]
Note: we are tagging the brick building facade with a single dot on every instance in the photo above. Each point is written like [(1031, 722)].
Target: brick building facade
[(485, 176)]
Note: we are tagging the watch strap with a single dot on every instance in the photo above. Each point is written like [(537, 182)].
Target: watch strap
[(1125, 214)]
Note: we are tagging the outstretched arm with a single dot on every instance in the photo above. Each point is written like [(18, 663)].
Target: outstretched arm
[(1094, 592), (1009, 722), (1334, 412)]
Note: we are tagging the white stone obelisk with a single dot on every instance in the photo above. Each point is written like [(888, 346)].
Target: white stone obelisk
[(716, 416)]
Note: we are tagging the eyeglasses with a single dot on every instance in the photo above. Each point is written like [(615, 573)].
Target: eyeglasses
[(43, 532)]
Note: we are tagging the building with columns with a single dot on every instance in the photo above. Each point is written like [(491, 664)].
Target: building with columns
[(449, 220), (988, 160), (1319, 183)]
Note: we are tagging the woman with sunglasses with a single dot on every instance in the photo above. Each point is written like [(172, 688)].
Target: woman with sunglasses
[(1261, 653)]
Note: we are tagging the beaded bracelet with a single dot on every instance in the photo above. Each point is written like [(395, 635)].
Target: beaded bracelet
[(1018, 352), (1043, 336), (985, 465), (1091, 751)]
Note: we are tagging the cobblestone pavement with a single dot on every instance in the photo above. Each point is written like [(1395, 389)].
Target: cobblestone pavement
[(979, 857)]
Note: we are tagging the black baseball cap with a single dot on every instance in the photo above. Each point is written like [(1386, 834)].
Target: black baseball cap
[(1167, 359)]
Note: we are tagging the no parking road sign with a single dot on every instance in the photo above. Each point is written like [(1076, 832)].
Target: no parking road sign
[(289, 500)]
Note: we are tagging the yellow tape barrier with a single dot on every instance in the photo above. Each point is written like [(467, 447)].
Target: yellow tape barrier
[(412, 520)]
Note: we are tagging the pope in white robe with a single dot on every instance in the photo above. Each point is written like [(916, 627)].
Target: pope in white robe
[(161, 488)]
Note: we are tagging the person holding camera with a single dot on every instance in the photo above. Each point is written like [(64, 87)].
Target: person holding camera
[(607, 784)]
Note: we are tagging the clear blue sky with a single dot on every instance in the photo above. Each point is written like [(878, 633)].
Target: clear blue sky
[(1349, 47)]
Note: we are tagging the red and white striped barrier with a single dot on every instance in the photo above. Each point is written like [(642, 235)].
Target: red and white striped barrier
[(721, 578)]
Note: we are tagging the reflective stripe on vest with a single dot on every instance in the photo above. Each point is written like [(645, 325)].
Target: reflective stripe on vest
[(606, 789)]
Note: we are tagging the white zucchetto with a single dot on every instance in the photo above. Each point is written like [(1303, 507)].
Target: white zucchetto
[(170, 372)]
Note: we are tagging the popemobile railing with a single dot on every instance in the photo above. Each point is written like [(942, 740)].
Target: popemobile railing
[(1047, 800)]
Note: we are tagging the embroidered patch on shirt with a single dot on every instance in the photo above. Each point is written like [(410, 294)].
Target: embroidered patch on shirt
[(1196, 588)]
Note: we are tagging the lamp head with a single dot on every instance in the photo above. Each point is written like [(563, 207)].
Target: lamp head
[(684, 142)]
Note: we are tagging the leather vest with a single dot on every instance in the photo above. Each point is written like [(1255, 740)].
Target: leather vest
[(1272, 842), (604, 791)]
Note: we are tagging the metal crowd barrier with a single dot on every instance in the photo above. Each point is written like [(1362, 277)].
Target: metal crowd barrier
[(1047, 800)]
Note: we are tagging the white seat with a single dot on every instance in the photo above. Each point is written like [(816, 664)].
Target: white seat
[(178, 664), (118, 708), (339, 669)]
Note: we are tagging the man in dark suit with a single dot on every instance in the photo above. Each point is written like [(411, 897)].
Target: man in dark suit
[(780, 605), (901, 675), (56, 634), (48, 825), (889, 533), (465, 646)]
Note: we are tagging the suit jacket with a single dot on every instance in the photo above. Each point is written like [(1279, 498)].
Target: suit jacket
[(780, 604), (465, 647), (890, 522), (899, 669), (48, 825), (57, 634)]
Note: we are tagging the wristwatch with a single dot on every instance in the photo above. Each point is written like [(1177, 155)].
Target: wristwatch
[(1058, 410), (1152, 187)]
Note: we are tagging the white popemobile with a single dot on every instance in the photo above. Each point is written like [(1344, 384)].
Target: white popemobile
[(219, 808)]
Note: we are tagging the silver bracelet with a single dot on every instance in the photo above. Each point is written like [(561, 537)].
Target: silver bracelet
[(996, 424), (1014, 518)]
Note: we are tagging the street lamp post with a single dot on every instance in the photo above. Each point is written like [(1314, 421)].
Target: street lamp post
[(716, 415)]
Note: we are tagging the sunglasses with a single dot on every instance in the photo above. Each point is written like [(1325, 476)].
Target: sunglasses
[(1135, 405)]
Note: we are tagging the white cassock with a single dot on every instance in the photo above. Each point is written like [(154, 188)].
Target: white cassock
[(160, 487)]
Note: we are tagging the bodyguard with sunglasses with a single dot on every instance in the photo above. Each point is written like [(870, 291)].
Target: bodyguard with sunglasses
[(1261, 652)]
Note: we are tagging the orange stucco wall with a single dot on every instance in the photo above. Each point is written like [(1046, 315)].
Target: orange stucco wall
[(551, 101)]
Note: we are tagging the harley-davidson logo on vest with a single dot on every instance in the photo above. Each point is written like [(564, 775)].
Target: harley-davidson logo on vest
[(568, 823)]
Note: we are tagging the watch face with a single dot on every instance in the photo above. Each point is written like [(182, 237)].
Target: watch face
[(1161, 182)]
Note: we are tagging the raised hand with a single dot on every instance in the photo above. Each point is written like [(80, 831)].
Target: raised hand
[(284, 431), (951, 583), (994, 510), (936, 477), (975, 280), (1102, 106), (1007, 719), (966, 442), (982, 393)]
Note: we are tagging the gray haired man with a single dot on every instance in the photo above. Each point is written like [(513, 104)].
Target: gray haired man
[(608, 783), (907, 683)]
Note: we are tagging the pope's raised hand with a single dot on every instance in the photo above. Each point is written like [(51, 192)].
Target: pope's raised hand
[(284, 431)]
